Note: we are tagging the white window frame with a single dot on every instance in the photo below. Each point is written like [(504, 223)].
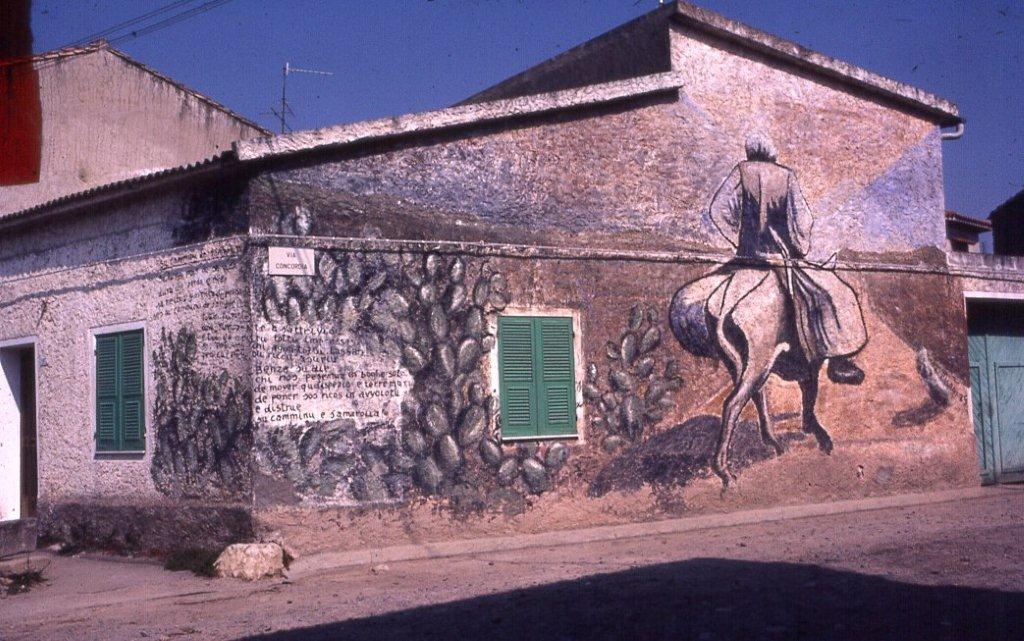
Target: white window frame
[(579, 373), (146, 400)]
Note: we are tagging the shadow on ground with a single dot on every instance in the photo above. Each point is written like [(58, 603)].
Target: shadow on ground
[(683, 453), (704, 599)]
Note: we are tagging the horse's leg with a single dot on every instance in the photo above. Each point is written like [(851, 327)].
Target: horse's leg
[(809, 391), (764, 421), (751, 379), (734, 404)]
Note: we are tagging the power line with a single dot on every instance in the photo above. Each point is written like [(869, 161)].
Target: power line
[(28, 63), (128, 23), (172, 20)]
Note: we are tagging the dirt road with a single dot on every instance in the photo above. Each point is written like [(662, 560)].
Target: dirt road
[(944, 571)]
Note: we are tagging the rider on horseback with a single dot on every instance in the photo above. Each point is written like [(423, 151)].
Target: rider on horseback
[(759, 209)]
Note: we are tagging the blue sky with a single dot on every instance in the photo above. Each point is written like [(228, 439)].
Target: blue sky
[(398, 56)]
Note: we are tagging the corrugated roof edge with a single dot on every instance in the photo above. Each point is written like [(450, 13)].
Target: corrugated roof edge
[(65, 52), (945, 112), (957, 217), (458, 116), (107, 189)]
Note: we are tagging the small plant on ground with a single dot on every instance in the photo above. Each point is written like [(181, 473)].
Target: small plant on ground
[(20, 582)]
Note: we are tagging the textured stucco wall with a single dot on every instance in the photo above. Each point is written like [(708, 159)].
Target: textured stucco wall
[(620, 194), (78, 240), (871, 173), (199, 287), (642, 173), (1000, 276), (126, 268), (889, 434), (105, 119)]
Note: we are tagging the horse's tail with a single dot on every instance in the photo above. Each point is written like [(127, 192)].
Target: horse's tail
[(689, 319)]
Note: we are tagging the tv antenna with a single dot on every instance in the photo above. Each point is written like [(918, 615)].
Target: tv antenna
[(286, 109)]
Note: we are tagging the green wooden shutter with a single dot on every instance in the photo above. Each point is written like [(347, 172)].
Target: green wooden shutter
[(120, 410), (556, 377), (536, 372), (516, 364), (107, 400), (132, 414)]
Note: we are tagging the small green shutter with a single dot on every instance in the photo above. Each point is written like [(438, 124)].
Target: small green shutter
[(106, 392), (557, 385), (132, 414), (516, 364), (120, 414), (536, 373)]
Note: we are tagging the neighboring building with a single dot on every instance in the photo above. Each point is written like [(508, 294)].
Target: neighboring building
[(105, 117), (1007, 222), (541, 311), (963, 232)]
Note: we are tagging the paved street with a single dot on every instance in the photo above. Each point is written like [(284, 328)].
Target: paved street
[(940, 571)]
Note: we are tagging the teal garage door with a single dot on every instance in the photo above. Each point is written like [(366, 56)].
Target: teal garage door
[(996, 353)]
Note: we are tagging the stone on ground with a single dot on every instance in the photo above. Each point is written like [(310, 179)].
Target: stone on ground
[(250, 561)]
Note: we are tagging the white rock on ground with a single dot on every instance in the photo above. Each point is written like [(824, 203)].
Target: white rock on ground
[(250, 561)]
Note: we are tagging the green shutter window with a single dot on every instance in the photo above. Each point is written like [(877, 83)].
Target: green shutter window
[(106, 393), (536, 373), (120, 409)]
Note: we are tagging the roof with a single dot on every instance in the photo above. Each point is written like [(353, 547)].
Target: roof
[(944, 111), (111, 189), (458, 116), (1013, 205), (968, 221), (102, 45)]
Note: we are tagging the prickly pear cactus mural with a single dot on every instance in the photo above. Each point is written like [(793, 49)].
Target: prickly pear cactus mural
[(203, 425), (633, 396), (428, 315)]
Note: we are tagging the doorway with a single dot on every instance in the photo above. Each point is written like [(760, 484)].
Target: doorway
[(19, 479), (995, 348)]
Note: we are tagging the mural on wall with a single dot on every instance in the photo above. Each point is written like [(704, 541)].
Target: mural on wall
[(772, 309), (634, 396), (203, 425), (938, 394), (421, 323), (213, 211)]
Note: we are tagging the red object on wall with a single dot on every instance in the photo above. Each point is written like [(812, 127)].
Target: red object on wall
[(21, 116)]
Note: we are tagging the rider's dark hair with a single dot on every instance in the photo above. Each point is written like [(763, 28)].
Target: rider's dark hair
[(760, 147)]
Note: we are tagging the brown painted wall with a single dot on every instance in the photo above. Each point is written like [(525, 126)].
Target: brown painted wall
[(356, 482)]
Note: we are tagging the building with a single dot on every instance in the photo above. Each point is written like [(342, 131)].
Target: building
[(684, 267), (1007, 230), (104, 117), (963, 232)]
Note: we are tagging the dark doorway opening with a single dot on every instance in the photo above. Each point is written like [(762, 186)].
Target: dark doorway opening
[(29, 461)]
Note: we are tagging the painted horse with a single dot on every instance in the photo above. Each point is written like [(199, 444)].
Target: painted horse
[(745, 317)]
